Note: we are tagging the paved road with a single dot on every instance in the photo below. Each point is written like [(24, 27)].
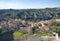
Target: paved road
[(59, 38)]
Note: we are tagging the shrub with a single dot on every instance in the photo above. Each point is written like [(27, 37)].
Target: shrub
[(17, 34)]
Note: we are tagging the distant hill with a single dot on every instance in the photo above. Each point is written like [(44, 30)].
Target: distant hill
[(30, 14)]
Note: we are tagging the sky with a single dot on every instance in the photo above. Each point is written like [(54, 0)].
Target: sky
[(28, 4)]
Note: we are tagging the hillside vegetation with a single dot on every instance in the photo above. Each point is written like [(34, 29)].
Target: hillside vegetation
[(30, 14)]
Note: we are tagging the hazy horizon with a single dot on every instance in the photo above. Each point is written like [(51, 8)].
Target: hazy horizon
[(28, 4)]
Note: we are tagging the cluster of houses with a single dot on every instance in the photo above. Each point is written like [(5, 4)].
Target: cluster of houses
[(24, 26), (21, 25)]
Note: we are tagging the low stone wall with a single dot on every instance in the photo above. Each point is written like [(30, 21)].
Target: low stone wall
[(43, 38)]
